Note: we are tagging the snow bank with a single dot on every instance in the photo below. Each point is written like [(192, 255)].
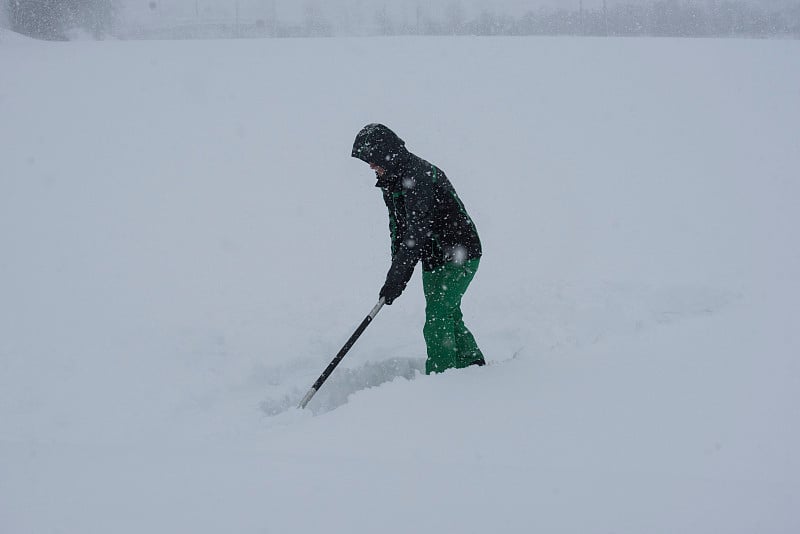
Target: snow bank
[(9, 37)]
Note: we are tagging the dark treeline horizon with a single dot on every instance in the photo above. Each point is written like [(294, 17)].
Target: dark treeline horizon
[(57, 19)]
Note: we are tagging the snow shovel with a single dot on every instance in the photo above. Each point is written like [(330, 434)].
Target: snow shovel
[(347, 346)]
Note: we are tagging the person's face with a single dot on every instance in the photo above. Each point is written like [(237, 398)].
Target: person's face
[(380, 171)]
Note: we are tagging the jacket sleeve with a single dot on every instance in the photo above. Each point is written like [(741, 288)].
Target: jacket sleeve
[(419, 200)]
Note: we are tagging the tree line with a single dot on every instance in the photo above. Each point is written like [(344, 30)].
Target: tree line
[(662, 18), (54, 19)]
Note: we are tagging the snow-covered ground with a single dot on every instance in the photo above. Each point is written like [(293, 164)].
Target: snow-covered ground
[(185, 243)]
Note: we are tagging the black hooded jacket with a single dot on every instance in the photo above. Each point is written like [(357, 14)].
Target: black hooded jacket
[(427, 220)]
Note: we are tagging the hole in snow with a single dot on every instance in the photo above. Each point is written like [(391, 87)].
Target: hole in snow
[(344, 382)]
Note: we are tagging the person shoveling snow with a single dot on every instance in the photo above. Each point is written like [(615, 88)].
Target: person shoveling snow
[(428, 223)]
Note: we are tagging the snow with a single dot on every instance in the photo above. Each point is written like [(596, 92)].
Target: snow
[(8, 37), (186, 243)]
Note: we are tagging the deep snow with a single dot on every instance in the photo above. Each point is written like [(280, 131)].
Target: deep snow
[(186, 243)]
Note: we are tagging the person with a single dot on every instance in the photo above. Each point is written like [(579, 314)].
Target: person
[(427, 222)]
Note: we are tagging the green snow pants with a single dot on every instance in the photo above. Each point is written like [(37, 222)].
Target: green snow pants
[(450, 344)]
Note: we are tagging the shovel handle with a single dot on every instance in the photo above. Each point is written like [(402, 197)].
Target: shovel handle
[(340, 355)]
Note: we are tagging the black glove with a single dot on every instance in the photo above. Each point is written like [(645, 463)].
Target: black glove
[(390, 291)]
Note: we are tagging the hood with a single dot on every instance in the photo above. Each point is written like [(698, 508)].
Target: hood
[(378, 145)]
